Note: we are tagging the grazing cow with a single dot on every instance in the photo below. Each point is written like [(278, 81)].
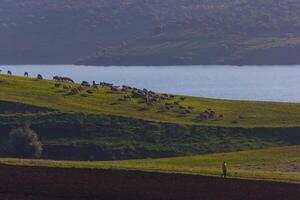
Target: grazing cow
[(56, 78), (207, 115), (104, 84), (0, 71), (125, 88), (203, 117), (114, 88), (76, 90), (85, 84), (39, 77), (210, 113), (67, 79), (9, 73), (62, 79), (26, 74)]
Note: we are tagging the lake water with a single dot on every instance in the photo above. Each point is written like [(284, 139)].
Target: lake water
[(264, 83)]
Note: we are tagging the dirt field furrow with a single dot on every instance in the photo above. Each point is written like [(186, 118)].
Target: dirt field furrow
[(51, 183)]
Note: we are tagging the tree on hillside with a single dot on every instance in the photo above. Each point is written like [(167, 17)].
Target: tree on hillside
[(25, 142)]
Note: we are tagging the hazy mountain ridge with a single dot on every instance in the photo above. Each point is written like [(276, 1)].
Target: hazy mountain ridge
[(67, 31)]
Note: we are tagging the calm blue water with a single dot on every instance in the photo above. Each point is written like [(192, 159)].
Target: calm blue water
[(266, 83)]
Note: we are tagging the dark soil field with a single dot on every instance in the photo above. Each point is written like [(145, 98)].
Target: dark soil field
[(52, 183)]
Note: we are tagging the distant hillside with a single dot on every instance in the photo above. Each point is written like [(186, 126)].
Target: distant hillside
[(149, 32), (189, 47)]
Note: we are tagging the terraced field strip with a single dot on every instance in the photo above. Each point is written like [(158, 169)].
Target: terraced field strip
[(244, 164)]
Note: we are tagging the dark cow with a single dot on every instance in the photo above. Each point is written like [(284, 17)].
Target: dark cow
[(85, 84), (62, 79), (67, 79), (57, 78), (9, 72), (115, 88), (26, 74), (104, 84), (39, 77)]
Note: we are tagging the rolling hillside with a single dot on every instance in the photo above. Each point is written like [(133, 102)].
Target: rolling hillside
[(135, 32), (171, 109), (86, 123)]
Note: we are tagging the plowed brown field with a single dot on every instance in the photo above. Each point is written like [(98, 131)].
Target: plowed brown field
[(53, 183)]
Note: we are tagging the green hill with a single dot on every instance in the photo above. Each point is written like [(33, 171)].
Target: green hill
[(280, 164), (99, 124), (108, 102)]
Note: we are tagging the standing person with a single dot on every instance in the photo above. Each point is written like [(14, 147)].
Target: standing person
[(224, 169)]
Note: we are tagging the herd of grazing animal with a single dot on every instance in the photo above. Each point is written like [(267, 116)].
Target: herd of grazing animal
[(26, 74), (147, 96), (209, 114)]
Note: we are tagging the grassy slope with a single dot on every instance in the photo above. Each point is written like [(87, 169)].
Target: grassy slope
[(209, 164), (237, 113), (90, 128)]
